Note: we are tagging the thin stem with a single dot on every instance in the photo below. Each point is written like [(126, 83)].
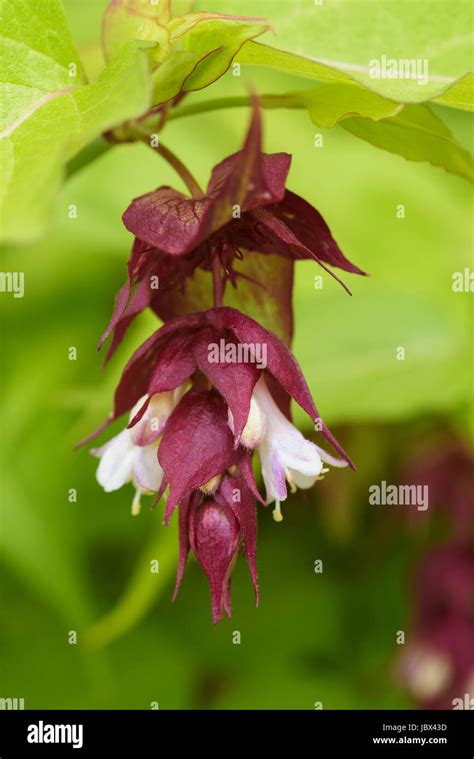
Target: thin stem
[(217, 282), (99, 146), (87, 155), (177, 165), (143, 590), (239, 101)]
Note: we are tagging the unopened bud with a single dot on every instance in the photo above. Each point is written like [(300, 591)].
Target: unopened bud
[(215, 542)]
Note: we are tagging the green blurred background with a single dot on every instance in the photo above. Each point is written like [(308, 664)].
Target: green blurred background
[(327, 637)]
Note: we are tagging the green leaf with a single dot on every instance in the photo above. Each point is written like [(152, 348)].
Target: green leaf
[(168, 79), (460, 95), (412, 131), (364, 379), (417, 134), (339, 40), (259, 54), (38, 57), (218, 41), (126, 20), (35, 150), (329, 104)]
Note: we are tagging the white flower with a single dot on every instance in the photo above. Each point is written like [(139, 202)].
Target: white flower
[(254, 430), (132, 455), (285, 454)]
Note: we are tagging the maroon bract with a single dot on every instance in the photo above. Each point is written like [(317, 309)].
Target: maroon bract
[(246, 207), (224, 345), (216, 528)]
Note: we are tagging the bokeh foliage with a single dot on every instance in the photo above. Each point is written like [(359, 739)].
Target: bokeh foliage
[(316, 637)]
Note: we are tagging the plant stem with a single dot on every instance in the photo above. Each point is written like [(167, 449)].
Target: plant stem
[(239, 101), (87, 155), (217, 283), (178, 166), (143, 590), (99, 146)]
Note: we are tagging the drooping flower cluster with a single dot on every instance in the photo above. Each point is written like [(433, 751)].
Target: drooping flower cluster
[(437, 665), (210, 388)]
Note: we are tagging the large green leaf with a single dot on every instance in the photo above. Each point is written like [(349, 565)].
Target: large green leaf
[(38, 57), (412, 131), (338, 40), (35, 148), (417, 134)]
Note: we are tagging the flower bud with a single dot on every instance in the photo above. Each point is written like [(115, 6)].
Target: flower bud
[(215, 540)]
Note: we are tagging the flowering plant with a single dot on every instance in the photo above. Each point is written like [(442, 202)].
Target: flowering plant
[(215, 382), (274, 190)]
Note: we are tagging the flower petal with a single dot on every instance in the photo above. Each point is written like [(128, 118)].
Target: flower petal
[(136, 376), (116, 462), (196, 445), (246, 513), (166, 219), (302, 481), (234, 381), (151, 423), (247, 179), (312, 232), (273, 472), (147, 470)]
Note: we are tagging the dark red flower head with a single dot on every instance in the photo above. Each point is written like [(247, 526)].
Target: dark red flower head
[(246, 207), (221, 386), (232, 351), (438, 664)]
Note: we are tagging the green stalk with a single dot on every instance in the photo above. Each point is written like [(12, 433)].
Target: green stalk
[(143, 590), (239, 101)]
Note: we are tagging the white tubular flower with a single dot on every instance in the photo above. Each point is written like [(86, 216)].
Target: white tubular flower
[(132, 455), (285, 455)]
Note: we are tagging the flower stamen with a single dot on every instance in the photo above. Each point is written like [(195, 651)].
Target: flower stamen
[(136, 505), (277, 515), (321, 474)]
